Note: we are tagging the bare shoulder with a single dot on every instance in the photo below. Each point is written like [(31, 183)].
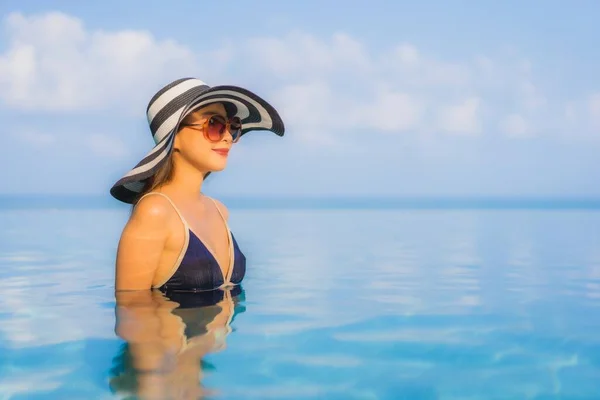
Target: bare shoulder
[(153, 210), (221, 208), (142, 243)]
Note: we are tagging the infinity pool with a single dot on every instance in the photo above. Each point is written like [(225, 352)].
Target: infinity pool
[(336, 304)]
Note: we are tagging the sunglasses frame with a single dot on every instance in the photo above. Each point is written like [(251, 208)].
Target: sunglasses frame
[(204, 127)]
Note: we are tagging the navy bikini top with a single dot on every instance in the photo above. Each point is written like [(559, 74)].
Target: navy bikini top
[(197, 269)]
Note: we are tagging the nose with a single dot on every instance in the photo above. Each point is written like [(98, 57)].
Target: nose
[(227, 136)]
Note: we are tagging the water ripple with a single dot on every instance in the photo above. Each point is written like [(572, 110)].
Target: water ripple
[(352, 304)]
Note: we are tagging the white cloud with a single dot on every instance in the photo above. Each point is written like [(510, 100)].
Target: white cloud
[(582, 116), (321, 86), (42, 139), (485, 64), (392, 112), (570, 112), (530, 97), (462, 118), (53, 63), (106, 146), (594, 110), (314, 111), (516, 126), (301, 56), (309, 104), (397, 89), (408, 55), (98, 144), (310, 110)]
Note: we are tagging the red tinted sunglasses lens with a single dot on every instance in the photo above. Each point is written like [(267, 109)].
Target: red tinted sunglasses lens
[(235, 127), (216, 126)]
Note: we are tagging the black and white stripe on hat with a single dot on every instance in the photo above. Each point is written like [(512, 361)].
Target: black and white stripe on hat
[(170, 105)]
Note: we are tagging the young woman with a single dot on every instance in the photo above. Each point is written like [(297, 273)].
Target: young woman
[(177, 238)]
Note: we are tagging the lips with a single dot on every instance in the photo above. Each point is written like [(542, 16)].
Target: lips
[(222, 152)]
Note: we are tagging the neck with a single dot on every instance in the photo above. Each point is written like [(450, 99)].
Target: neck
[(187, 181)]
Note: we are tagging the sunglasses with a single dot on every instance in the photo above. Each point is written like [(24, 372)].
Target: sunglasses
[(215, 126)]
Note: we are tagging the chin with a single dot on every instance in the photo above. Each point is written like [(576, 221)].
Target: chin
[(216, 163), (217, 167), (211, 163)]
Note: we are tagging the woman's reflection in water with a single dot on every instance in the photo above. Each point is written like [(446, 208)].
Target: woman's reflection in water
[(167, 335)]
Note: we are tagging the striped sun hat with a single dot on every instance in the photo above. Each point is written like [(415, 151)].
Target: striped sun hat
[(170, 105)]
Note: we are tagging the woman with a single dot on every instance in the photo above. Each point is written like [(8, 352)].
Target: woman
[(176, 237)]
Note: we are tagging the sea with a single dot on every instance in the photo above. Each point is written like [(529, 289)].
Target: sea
[(344, 298)]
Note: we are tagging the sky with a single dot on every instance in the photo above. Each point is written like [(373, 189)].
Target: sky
[(379, 98)]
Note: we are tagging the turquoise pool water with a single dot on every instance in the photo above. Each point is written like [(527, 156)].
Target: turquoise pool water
[(388, 303)]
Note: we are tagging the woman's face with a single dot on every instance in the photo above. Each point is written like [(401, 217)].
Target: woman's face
[(195, 148)]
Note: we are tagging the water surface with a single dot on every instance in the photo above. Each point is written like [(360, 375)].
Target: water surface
[(348, 303)]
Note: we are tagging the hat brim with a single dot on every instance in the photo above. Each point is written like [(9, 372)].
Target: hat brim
[(255, 113)]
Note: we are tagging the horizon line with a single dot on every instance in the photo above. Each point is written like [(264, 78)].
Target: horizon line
[(334, 196), (90, 201)]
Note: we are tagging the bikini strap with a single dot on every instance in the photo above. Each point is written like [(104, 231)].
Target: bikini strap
[(230, 237), (218, 209), (172, 204), (185, 243)]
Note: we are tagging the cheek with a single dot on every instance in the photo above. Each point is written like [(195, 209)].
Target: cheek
[(198, 150), (193, 143)]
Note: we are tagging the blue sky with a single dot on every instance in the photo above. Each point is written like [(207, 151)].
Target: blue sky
[(446, 98)]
